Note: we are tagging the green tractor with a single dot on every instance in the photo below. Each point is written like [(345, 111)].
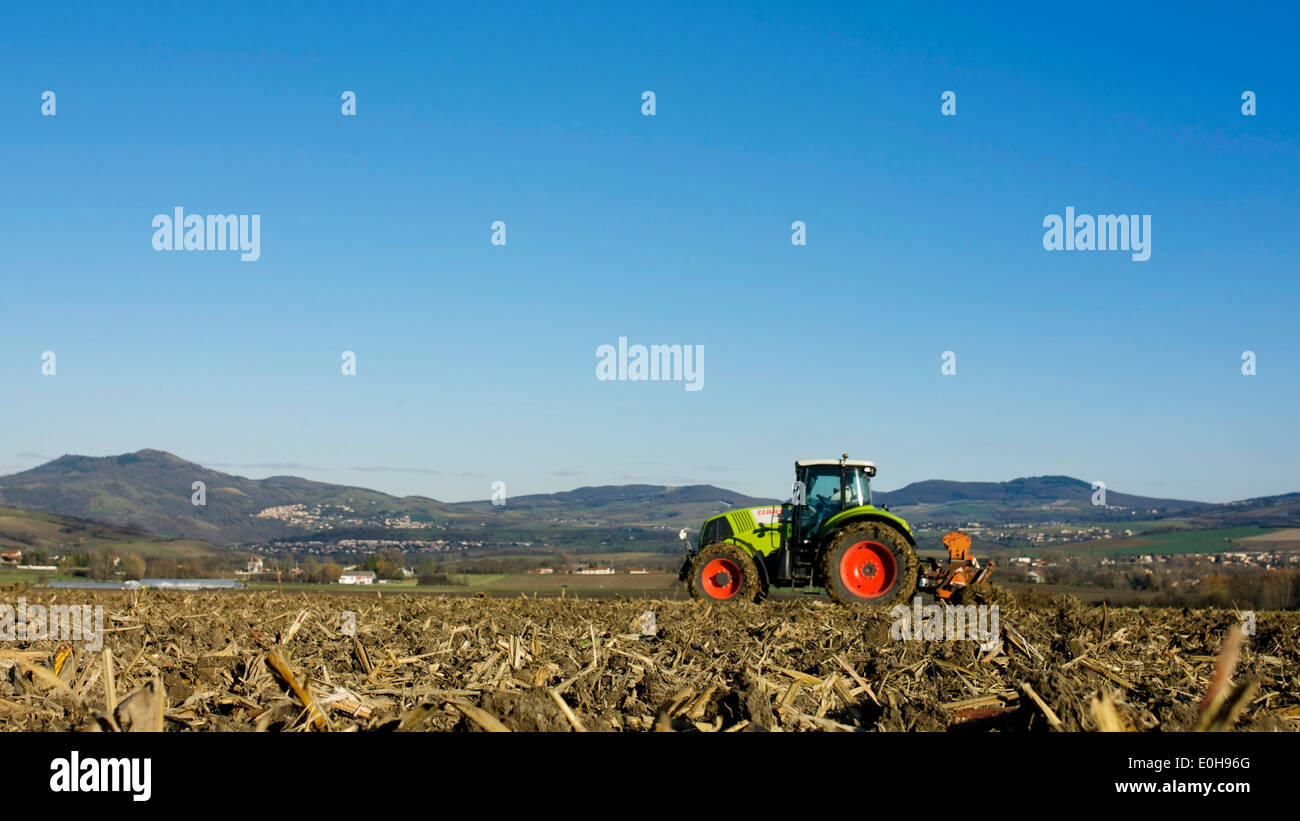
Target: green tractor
[(828, 535)]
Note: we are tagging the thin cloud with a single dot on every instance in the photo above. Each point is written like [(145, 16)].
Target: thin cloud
[(423, 471), (381, 469), (27, 454), (659, 480), (265, 465)]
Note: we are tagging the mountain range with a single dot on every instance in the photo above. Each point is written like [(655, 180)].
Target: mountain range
[(154, 491)]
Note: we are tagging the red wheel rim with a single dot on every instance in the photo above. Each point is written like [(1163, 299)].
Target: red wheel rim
[(868, 569), (720, 579)]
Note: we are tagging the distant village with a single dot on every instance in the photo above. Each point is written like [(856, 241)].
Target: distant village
[(331, 517), (362, 547), (1036, 569), (1037, 533)]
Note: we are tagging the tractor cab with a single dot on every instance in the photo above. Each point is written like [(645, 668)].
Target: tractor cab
[(824, 488)]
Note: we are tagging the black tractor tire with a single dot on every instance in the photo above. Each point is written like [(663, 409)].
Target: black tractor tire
[(869, 563), (724, 573)]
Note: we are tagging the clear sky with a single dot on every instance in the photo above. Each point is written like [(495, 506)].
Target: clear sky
[(477, 362)]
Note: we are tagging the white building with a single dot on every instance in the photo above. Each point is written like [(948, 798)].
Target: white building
[(357, 577)]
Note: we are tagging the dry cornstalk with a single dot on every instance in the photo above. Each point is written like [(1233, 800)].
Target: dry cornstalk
[(363, 658), (281, 667), (344, 701), (46, 677), (292, 629), (567, 710), (1089, 664), (479, 716), (1052, 719), (24, 655), (1107, 717), (110, 685), (1223, 667)]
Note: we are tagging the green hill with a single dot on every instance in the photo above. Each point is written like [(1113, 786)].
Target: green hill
[(151, 491), (49, 535)]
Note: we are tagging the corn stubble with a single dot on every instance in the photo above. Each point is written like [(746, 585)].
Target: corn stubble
[(263, 662)]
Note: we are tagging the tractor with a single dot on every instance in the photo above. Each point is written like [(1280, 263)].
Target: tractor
[(828, 535)]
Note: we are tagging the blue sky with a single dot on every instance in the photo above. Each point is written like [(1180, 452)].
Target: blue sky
[(476, 362)]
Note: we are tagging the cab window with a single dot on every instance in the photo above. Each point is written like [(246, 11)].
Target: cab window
[(822, 490)]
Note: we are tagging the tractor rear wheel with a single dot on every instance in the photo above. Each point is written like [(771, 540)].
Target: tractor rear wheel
[(724, 572), (869, 563)]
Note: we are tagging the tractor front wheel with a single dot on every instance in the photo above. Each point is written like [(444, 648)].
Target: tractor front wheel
[(724, 572), (869, 563)]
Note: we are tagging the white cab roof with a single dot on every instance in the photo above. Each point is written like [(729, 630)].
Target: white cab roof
[(853, 463)]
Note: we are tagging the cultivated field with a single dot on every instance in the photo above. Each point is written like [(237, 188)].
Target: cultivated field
[(263, 661), (1188, 541), (1285, 539)]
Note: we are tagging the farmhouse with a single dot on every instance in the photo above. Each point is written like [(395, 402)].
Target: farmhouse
[(357, 577)]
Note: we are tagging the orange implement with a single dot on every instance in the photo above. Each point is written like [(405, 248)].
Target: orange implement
[(958, 545), (962, 569)]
